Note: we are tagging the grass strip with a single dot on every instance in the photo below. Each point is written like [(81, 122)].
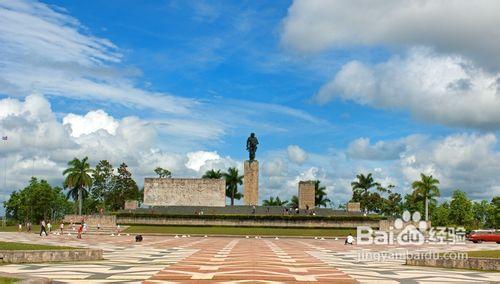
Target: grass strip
[(249, 231)]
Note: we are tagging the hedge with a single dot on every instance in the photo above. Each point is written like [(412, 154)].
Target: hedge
[(250, 217)]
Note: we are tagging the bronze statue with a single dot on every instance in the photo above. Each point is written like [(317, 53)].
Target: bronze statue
[(252, 143)]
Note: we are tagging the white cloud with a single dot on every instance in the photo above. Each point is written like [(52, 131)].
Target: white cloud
[(296, 154), (452, 27), (197, 159), (446, 89), (361, 148), (469, 162), (91, 122)]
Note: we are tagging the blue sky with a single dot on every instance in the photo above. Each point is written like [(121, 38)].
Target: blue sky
[(329, 90)]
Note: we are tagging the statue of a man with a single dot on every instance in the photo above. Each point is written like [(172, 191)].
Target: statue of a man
[(252, 143)]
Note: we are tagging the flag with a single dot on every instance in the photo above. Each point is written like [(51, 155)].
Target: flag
[(4, 138)]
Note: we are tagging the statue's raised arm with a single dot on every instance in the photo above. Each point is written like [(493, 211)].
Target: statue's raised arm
[(252, 143)]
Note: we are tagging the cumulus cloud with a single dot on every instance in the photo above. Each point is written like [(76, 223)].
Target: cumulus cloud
[(296, 154), (91, 122), (197, 159), (470, 162), (450, 90), (41, 145), (452, 27), (362, 148)]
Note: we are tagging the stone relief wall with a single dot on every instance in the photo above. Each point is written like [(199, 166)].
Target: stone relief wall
[(184, 192)]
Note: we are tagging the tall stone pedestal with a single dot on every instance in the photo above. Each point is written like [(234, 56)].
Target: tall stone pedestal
[(251, 182), (306, 195)]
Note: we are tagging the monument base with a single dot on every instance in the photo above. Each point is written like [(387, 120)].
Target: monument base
[(251, 182)]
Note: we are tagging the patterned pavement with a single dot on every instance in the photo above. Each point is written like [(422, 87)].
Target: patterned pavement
[(167, 259)]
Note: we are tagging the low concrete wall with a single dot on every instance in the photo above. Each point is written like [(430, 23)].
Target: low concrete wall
[(92, 220), (471, 263), (248, 223), (31, 256)]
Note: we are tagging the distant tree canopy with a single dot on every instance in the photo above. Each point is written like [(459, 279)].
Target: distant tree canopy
[(37, 201), (163, 173)]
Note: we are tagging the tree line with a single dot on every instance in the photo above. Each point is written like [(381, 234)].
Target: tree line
[(85, 190), (459, 211)]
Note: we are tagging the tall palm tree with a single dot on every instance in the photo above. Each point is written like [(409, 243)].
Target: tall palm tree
[(233, 179), (320, 195), (426, 188), (364, 183), (213, 174), (78, 177), (361, 188), (274, 202)]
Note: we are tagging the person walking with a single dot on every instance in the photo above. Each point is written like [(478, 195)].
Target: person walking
[(80, 230), (20, 227), (42, 228), (62, 227), (28, 227), (49, 226)]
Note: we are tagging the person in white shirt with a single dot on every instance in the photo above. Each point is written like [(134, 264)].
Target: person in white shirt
[(349, 240)]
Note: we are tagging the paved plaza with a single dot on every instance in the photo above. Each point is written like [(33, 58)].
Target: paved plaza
[(167, 259)]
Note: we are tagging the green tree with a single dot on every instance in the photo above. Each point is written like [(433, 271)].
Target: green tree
[(163, 173), (78, 178), (37, 201), (274, 202), (461, 209), (494, 215), (361, 189), (233, 179), (213, 174), (441, 215), (294, 201), (320, 198), (427, 189), (480, 212), (102, 183), (124, 188), (392, 206)]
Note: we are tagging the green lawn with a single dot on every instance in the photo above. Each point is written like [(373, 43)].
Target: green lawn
[(22, 246), (484, 253), (250, 231), (6, 280)]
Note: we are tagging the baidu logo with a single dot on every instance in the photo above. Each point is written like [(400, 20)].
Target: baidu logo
[(413, 233)]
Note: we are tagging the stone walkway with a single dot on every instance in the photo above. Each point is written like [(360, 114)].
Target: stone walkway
[(235, 260)]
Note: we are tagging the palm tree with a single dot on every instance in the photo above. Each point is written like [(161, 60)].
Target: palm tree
[(364, 183), (78, 178), (213, 174), (274, 202), (233, 179), (361, 188), (320, 195), (426, 188)]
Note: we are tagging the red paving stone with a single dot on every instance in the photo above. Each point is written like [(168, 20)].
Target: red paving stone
[(251, 261)]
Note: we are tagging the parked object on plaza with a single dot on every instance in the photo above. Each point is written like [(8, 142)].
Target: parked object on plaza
[(138, 238), (479, 236)]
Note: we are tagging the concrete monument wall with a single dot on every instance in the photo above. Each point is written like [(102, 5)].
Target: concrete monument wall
[(251, 182), (184, 192), (306, 195)]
